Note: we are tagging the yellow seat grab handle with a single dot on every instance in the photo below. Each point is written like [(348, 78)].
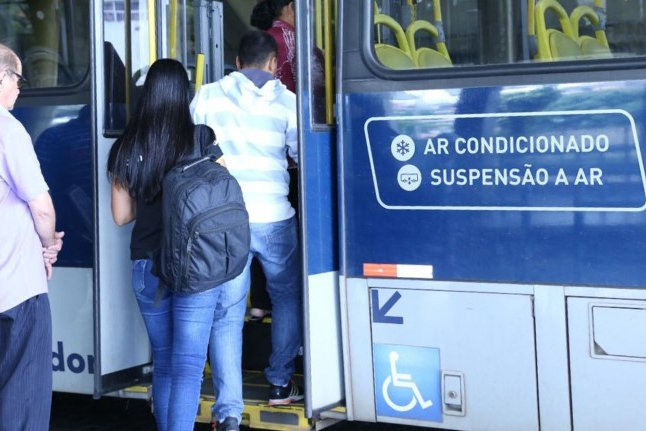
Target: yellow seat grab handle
[(597, 18), (542, 33), (400, 36)]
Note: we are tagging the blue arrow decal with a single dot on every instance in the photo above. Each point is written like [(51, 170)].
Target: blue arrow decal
[(379, 313)]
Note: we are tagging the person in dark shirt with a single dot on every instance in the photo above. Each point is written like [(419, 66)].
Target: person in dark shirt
[(159, 134)]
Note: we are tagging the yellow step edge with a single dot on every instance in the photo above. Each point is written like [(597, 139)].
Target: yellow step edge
[(262, 416)]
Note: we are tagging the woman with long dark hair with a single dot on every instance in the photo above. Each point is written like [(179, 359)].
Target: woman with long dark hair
[(158, 135)]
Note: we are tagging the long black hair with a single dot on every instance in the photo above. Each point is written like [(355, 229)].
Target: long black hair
[(266, 11), (159, 133)]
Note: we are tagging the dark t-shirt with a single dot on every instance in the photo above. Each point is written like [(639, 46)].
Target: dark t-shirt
[(146, 233)]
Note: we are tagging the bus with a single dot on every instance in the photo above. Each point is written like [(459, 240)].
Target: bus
[(472, 203)]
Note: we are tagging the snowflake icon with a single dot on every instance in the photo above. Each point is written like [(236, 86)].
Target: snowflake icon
[(403, 147)]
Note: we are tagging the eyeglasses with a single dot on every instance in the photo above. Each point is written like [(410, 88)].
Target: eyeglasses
[(21, 79)]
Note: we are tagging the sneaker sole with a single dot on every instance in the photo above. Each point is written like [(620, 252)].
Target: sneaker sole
[(285, 402)]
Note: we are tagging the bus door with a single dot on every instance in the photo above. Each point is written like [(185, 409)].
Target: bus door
[(131, 35), (124, 45), (323, 370)]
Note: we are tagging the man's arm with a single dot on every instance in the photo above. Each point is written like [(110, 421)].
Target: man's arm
[(42, 211), (44, 216), (291, 138)]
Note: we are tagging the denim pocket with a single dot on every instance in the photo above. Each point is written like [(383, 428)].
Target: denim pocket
[(284, 240), (139, 275)]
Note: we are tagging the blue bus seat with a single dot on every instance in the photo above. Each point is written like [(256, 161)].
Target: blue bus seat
[(425, 57), (594, 47), (394, 57)]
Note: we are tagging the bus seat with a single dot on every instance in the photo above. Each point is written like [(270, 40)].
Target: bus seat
[(423, 56), (562, 47), (555, 44), (427, 58), (595, 47), (395, 57), (591, 47)]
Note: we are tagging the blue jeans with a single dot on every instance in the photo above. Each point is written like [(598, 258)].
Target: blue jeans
[(158, 321), (26, 365), (178, 327), (276, 247), (226, 350)]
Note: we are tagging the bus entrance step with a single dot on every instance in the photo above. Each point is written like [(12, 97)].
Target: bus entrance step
[(257, 414), (257, 347)]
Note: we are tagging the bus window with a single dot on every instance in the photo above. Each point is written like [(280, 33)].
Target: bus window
[(625, 25), (125, 59), (410, 34), (51, 38), (423, 34), (179, 32)]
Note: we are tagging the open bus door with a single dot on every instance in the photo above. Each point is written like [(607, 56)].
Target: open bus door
[(121, 48), (323, 362), (130, 37)]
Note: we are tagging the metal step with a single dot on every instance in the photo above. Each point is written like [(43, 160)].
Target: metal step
[(257, 414)]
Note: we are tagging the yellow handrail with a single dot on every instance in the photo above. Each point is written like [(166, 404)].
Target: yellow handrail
[(531, 20), (327, 57), (431, 29), (395, 27), (152, 32), (199, 72), (542, 31), (318, 27), (173, 29)]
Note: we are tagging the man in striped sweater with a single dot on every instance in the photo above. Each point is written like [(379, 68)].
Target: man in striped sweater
[(254, 118)]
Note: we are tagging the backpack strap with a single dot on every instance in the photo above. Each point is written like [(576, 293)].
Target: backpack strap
[(161, 292), (161, 287)]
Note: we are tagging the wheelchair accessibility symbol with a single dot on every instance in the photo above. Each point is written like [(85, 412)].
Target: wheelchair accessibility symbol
[(407, 382), (402, 381)]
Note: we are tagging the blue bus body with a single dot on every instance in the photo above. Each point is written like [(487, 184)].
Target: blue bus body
[(515, 187), (491, 217)]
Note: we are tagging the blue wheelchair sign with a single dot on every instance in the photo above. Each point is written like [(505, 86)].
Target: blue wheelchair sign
[(408, 382)]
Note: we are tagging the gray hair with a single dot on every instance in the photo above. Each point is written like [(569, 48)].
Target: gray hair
[(8, 58)]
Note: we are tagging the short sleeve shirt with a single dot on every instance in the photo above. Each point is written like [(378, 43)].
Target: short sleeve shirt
[(22, 269)]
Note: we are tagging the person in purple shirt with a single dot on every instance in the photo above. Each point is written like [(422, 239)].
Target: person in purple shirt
[(29, 248)]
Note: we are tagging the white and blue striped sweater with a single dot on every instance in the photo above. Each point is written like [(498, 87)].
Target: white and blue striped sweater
[(256, 129)]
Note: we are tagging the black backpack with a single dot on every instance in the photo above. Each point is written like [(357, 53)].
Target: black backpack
[(205, 234)]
